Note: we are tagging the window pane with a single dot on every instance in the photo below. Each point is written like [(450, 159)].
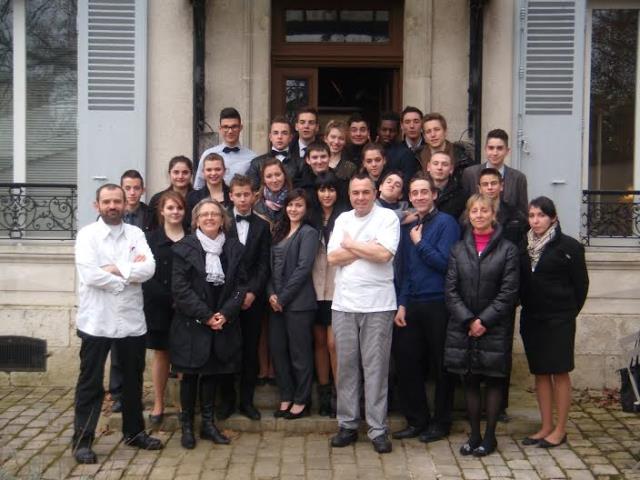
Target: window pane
[(6, 91), (337, 26), (296, 95), (614, 47), (52, 93)]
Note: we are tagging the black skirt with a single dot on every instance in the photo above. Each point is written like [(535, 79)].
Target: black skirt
[(549, 341)]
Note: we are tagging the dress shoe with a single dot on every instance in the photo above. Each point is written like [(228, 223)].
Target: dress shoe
[(409, 432), (433, 434), (116, 407), (225, 411), (487, 447), (250, 411), (209, 431), (294, 416), (344, 437), (382, 444), (156, 420), (85, 455), (469, 447), (544, 443), (282, 413), (143, 441), (527, 441)]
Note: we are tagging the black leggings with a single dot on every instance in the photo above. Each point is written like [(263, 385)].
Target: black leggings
[(494, 387)]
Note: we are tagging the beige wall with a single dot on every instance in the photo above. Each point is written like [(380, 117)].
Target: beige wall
[(169, 84)]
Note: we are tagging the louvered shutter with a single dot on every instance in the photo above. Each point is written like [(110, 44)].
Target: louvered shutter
[(551, 92), (112, 103)]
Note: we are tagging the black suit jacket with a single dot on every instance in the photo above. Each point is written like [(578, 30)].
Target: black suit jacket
[(255, 256), (515, 185)]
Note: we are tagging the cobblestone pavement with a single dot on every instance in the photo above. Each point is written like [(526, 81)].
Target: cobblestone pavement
[(36, 426)]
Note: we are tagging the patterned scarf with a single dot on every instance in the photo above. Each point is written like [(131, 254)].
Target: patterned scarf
[(274, 200), (213, 249), (536, 245)]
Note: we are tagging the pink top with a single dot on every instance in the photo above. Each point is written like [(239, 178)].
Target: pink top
[(482, 240)]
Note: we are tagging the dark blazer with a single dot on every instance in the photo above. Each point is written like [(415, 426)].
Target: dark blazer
[(256, 253), (484, 287), (190, 339), (515, 185), (291, 163), (194, 196), (158, 301), (294, 287), (452, 199)]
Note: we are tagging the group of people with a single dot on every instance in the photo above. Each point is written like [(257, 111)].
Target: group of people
[(329, 256)]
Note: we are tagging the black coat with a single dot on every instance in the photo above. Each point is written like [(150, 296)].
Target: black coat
[(256, 253), (484, 287), (190, 338), (158, 301), (452, 199)]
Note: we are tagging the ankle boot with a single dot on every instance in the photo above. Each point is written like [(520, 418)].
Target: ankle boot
[(188, 439), (324, 400), (208, 429)]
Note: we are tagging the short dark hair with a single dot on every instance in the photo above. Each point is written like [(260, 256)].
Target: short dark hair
[(546, 205), (357, 118), (108, 186), (240, 181), (410, 109), (499, 134), (389, 173), (180, 159), (280, 119), (135, 174), (422, 175), (374, 146), (389, 117), (435, 116), (490, 171), (363, 175), (306, 109), (318, 146), (230, 113)]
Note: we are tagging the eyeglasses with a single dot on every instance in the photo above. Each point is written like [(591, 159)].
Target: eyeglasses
[(210, 214), (226, 128)]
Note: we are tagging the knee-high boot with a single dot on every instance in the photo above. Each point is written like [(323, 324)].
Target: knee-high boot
[(188, 390), (208, 429)]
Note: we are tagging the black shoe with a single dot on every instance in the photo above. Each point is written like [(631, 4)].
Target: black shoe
[(409, 432), (543, 443), (382, 444), (85, 455), (117, 406), (344, 437), (187, 439), (282, 413), (250, 411), (470, 447), (528, 441), (324, 400), (487, 447), (156, 420), (209, 431), (433, 434), (143, 441), (225, 411), (294, 416)]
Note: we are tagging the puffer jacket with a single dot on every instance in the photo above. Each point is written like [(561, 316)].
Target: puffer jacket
[(485, 287)]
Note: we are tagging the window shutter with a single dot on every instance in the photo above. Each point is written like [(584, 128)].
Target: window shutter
[(112, 51), (550, 90)]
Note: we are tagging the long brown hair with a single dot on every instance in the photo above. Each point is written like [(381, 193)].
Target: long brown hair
[(164, 198)]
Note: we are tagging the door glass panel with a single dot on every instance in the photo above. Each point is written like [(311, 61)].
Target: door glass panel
[(296, 96), (614, 47), (337, 26)]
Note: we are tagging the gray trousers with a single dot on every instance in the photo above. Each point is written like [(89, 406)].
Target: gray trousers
[(363, 339)]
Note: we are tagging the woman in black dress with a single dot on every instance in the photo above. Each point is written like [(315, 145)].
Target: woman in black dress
[(293, 303), (208, 291), (554, 288), (158, 302), (481, 290)]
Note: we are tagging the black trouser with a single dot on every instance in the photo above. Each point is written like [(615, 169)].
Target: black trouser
[(507, 378), (291, 345), (90, 391), (190, 384), (115, 376), (416, 347), (250, 320)]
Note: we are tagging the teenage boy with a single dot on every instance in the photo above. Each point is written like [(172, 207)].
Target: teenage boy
[(307, 127), (421, 319), (395, 152), (515, 182), (253, 232), (236, 157), (280, 137), (451, 198), (412, 143), (359, 136), (316, 162)]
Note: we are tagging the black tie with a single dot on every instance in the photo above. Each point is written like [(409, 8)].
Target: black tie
[(275, 153), (304, 152), (246, 218), (231, 149)]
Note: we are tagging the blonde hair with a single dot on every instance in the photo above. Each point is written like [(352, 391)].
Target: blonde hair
[(483, 200), (337, 124), (226, 221)]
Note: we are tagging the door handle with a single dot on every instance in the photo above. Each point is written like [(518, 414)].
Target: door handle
[(99, 178), (558, 182)]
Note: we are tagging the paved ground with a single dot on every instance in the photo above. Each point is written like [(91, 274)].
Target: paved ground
[(35, 428)]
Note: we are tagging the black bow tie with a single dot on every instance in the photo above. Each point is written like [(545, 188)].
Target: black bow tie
[(246, 218), (231, 149), (275, 153)]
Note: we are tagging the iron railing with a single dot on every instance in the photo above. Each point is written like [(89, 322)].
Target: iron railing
[(612, 217), (42, 211)]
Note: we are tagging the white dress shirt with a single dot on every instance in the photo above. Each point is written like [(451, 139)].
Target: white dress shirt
[(242, 227), (235, 162), (109, 305)]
